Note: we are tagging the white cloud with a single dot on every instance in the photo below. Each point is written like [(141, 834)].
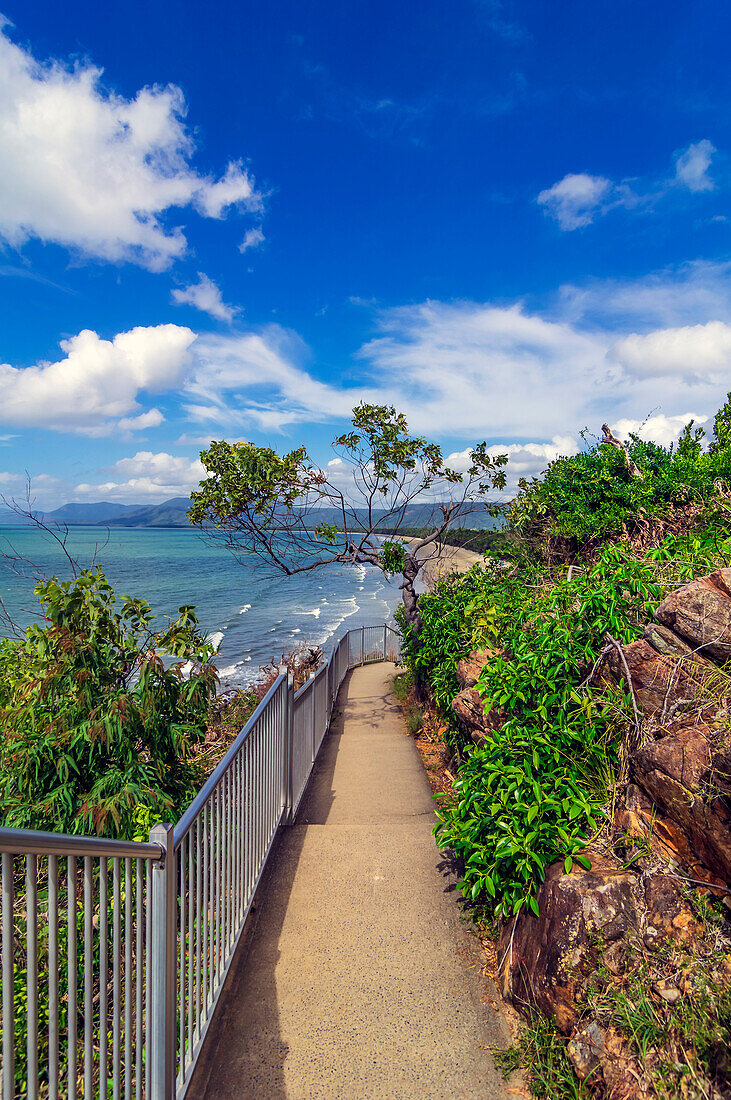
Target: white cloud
[(525, 459), (253, 238), (691, 351), (691, 166), (689, 293), (475, 369), (153, 418), (206, 296), (88, 169), (98, 382), (257, 378), (146, 476), (576, 199), (657, 429)]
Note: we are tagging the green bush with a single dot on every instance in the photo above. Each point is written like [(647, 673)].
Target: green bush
[(96, 722), (580, 501), (532, 791)]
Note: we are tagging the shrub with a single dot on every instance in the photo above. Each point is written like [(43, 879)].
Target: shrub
[(532, 792), (580, 501), (97, 721)]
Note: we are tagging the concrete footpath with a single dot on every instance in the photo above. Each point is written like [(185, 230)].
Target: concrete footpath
[(355, 979)]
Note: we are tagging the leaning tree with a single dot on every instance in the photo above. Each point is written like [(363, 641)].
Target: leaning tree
[(297, 517)]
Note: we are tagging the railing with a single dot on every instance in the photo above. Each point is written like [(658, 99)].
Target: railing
[(127, 1014)]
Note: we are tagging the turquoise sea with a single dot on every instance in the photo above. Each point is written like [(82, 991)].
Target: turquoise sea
[(252, 616)]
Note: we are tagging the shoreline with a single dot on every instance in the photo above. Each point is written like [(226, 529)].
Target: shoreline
[(451, 559)]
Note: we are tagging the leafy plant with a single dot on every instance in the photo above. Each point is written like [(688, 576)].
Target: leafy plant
[(98, 716), (532, 791), (582, 500)]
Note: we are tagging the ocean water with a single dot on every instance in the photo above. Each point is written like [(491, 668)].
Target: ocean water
[(251, 616)]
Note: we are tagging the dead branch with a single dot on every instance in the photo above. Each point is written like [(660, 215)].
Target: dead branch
[(632, 468)]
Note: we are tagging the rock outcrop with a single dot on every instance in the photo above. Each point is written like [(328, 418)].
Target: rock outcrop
[(677, 805), (468, 705), (701, 613), (663, 680), (586, 918), (686, 776)]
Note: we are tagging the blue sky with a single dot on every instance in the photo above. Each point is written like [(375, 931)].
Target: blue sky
[(508, 219)]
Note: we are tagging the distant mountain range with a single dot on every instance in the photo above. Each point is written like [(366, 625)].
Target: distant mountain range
[(172, 513)]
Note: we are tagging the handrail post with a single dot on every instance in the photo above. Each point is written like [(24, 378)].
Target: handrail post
[(362, 645), (313, 713), (385, 628), (288, 743), (161, 1035)]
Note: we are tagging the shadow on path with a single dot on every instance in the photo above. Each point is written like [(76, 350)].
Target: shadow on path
[(355, 978)]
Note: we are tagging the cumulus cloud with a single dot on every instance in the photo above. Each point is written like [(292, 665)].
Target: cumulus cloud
[(146, 476), (691, 166), (95, 387), (691, 351), (253, 238), (524, 459), (88, 169), (576, 199), (657, 429), (206, 296)]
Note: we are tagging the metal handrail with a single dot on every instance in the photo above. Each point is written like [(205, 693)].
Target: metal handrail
[(182, 826), (157, 940), (30, 842)]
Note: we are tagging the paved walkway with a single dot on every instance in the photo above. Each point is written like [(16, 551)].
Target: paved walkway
[(356, 979)]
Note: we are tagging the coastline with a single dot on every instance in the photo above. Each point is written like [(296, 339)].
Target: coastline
[(451, 559)]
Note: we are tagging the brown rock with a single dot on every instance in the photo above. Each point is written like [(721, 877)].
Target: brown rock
[(701, 613), (678, 772), (665, 641), (548, 958), (585, 1048), (470, 710), (659, 680), (469, 669), (639, 819)]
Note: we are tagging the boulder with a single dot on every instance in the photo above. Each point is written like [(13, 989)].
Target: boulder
[(469, 669), (583, 917), (701, 613), (686, 776), (470, 710), (661, 681)]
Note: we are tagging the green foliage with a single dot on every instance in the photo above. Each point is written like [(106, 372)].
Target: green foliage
[(445, 636), (392, 557), (327, 532), (243, 477), (531, 792), (95, 722), (590, 497)]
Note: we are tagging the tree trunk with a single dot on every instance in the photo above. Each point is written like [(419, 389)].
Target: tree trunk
[(408, 594), (411, 614)]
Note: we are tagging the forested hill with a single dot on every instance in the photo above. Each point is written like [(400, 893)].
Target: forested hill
[(172, 513)]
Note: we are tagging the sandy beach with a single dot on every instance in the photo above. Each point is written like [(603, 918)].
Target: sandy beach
[(451, 559)]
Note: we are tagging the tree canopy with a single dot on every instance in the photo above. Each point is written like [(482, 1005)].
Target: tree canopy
[(296, 516)]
